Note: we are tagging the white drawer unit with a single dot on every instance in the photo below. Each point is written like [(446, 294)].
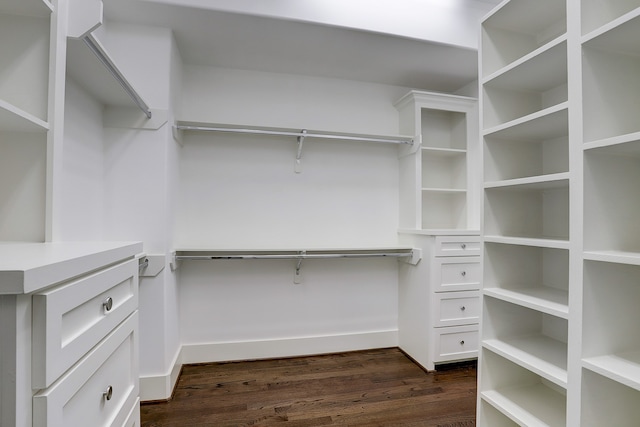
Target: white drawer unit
[(71, 319), (456, 343), (100, 390), (457, 246), (69, 353), (439, 299), (456, 274), (456, 308)]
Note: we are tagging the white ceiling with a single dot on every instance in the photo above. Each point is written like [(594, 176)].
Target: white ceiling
[(292, 44)]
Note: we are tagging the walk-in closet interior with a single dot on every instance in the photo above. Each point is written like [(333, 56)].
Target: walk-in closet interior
[(194, 181)]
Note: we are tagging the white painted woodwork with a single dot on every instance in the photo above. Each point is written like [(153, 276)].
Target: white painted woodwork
[(438, 185), (84, 17), (71, 319), (439, 299), (560, 134)]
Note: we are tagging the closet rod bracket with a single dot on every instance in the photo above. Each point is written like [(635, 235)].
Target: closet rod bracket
[(297, 276), (298, 164)]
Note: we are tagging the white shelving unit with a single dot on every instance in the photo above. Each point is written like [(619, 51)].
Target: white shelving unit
[(438, 182), (561, 238), (25, 28), (525, 117)]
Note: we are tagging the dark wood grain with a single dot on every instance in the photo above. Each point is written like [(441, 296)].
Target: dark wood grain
[(367, 388)]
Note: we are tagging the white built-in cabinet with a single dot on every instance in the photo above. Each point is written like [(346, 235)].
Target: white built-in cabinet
[(69, 314), (439, 301), (559, 106)]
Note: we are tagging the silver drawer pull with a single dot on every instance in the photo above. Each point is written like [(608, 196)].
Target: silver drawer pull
[(463, 308), (108, 304), (108, 394), (463, 246), (464, 273), (462, 342)]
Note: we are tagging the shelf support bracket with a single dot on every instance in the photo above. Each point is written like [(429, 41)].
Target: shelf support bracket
[(298, 165), (297, 276)]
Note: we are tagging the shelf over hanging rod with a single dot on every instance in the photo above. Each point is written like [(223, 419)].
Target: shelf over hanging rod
[(295, 133), (94, 45)]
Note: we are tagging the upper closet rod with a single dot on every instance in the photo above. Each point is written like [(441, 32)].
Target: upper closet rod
[(95, 47), (300, 255), (304, 134)]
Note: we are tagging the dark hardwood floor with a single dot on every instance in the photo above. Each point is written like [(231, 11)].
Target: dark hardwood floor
[(368, 388)]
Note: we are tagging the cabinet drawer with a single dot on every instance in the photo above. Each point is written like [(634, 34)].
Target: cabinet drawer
[(80, 397), (457, 308), (457, 246), (456, 274), (133, 420), (71, 319), (456, 343)]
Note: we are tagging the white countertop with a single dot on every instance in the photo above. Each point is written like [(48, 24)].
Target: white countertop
[(31, 267)]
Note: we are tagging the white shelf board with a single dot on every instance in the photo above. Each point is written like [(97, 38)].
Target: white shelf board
[(553, 124), (542, 69), (87, 70), (620, 35), (538, 353), (440, 232), (623, 368), (540, 182), (532, 405), (445, 152), (521, 17), (543, 298), (26, 7), (525, 120), (13, 118), (619, 257), (617, 143), (528, 241), (444, 190), (30, 267)]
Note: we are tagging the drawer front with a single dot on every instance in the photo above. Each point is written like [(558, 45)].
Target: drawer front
[(457, 308), (71, 319), (457, 246), (133, 420), (456, 274), (100, 390), (456, 343)]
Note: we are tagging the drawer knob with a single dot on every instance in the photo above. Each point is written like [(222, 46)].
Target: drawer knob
[(463, 308), (462, 342), (463, 246), (108, 394), (108, 304), (464, 273)]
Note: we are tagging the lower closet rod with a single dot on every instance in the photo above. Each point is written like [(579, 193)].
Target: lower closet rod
[(294, 256)]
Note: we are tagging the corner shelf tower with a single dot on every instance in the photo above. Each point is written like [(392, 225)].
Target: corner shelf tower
[(561, 143)]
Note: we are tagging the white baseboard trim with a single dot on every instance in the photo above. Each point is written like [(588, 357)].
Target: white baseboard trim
[(289, 347), (161, 387)]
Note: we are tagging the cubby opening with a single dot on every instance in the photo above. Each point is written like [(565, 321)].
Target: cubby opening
[(443, 129), (534, 148), (606, 402), (519, 28), (24, 64), (611, 82), (532, 339), (533, 277), (611, 199), (611, 345), (596, 13), (518, 393), (532, 86), (444, 170), (441, 210), (23, 162), (538, 211)]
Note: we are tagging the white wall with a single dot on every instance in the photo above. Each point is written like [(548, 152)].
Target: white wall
[(242, 192)]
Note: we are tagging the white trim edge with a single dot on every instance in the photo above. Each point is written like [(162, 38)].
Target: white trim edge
[(161, 387)]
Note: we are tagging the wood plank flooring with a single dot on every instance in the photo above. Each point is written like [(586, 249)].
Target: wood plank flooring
[(367, 388)]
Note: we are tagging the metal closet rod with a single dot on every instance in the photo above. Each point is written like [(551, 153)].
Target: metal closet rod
[(303, 133), (95, 47), (300, 255)]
